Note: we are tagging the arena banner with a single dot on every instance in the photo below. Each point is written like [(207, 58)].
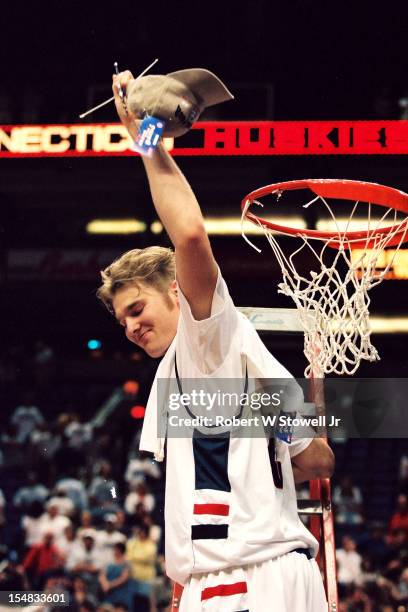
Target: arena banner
[(208, 138)]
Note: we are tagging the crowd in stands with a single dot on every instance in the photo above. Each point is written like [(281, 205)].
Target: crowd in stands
[(79, 519), (85, 515), (372, 559)]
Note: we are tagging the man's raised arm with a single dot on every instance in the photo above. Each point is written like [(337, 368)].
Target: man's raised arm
[(178, 210)]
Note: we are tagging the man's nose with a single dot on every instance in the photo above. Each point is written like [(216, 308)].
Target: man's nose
[(131, 325)]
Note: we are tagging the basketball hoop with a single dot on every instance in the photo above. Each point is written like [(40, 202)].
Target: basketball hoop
[(333, 300)]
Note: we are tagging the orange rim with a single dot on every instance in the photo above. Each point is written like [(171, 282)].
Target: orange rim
[(359, 191)]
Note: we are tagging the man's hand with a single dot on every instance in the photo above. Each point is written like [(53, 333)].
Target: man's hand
[(128, 119), (179, 212), (316, 461)]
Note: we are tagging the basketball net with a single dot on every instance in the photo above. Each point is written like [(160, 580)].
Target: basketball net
[(333, 300)]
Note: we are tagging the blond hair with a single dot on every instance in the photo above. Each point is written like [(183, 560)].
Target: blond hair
[(155, 266)]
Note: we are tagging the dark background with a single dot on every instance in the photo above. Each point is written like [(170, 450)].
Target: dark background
[(288, 60), (325, 60)]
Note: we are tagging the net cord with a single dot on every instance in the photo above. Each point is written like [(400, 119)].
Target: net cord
[(334, 310)]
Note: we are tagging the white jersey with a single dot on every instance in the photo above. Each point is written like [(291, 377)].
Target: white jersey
[(230, 501)]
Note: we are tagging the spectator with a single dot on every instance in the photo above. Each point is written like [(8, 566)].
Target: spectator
[(403, 585), (64, 504), (26, 417), (88, 605), (56, 582), (115, 579), (154, 530), (13, 576), (349, 562), (141, 553), (52, 521), (31, 492), (67, 541), (399, 520), (398, 593), (44, 354), (85, 560), (358, 600), (68, 453), (32, 524), (137, 496), (398, 554), (101, 446), (162, 588), (41, 558), (388, 595), (368, 574), (44, 444), (373, 544), (78, 434), (86, 522), (141, 469), (75, 490), (139, 515), (347, 499), (44, 363), (142, 517), (121, 523), (12, 448), (100, 489), (80, 594), (108, 538)]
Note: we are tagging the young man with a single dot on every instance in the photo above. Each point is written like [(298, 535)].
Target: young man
[(233, 535)]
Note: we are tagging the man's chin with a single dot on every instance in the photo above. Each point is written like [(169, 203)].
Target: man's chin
[(156, 352)]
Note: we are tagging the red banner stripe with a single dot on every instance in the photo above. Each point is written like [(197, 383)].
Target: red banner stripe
[(223, 590), (218, 509)]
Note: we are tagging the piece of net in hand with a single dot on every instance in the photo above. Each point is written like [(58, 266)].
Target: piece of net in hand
[(333, 298)]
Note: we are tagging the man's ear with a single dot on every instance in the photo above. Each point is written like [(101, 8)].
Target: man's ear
[(174, 289)]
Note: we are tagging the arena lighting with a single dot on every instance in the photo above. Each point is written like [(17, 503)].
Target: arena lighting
[(389, 325), (231, 226), (116, 226), (399, 262), (131, 387), (156, 227), (94, 345), (354, 225), (137, 412)]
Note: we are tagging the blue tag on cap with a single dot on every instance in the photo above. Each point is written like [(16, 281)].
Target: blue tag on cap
[(284, 430), (148, 136)]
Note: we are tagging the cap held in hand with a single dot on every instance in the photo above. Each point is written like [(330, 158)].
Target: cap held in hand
[(177, 98)]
